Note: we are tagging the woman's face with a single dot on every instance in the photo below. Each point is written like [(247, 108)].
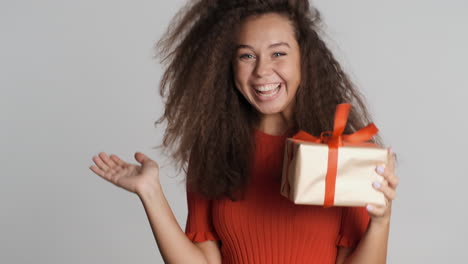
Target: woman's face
[(267, 63)]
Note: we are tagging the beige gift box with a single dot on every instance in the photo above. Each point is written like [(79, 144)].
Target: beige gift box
[(305, 168)]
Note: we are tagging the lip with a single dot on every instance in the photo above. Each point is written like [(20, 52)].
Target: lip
[(266, 99), (261, 84)]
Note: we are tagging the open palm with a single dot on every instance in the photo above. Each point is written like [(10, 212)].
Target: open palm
[(130, 177)]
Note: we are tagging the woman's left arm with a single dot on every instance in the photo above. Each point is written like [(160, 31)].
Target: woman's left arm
[(372, 247)]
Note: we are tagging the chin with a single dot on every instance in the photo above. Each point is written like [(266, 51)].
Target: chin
[(270, 110)]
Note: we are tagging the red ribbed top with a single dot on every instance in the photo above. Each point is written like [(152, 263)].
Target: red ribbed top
[(266, 227)]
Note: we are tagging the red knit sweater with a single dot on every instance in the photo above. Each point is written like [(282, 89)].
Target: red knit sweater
[(267, 228)]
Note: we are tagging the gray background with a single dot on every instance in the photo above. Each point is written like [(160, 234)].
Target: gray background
[(77, 78)]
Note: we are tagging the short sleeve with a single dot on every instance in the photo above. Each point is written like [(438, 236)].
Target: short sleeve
[(354, 223), (199, 225)]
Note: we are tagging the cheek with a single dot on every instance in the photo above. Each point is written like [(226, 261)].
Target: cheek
[(240, 73), (290, 72), (240, 78)]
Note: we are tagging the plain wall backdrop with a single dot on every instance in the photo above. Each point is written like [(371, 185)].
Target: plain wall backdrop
[(78, 78)]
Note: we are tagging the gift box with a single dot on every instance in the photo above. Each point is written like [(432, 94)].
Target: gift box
[(333, 169)]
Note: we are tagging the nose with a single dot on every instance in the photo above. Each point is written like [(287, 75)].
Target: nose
[(262, 68)]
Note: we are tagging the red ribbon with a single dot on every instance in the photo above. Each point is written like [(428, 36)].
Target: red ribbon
[(334, 139)]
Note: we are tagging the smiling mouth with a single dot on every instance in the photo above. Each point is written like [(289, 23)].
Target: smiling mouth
[(268, 89)]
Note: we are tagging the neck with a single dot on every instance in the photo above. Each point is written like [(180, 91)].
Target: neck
[(275, 124)]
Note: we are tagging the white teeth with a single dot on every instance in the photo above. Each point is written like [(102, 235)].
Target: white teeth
[(267, 87), (271, 94)]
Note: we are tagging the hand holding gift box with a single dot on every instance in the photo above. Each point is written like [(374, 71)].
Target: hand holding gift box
[(335, 169)]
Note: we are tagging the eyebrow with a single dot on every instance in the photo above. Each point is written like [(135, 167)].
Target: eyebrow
[(240, 46)]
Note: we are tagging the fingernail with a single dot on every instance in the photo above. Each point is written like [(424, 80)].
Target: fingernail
[(369, 207), (380, 169), (376, 184)]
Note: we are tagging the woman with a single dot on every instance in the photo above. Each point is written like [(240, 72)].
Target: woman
[(242, 77)]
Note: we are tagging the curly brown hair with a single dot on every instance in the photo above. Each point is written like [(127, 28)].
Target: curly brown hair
[(209, 122)]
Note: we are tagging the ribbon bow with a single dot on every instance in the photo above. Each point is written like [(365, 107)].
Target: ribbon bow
[(334, 139)]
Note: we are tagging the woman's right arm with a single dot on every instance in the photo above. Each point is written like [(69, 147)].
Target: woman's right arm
[(174, 245)]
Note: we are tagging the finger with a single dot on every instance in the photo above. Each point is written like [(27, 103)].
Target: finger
[(99, 172), (117, 160), (392, 178), (389, 174), (393, 181), (107, 160), (100, 163), (385, 170), (388, 191), (376, 210), (390, 159)]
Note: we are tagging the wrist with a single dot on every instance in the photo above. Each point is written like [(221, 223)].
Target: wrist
[(380, 222), (383, 220), (146, 190)]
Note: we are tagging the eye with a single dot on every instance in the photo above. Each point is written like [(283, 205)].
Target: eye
[(246, 56), (278, 54)]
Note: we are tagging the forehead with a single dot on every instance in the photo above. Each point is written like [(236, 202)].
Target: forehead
[(265, 29)]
